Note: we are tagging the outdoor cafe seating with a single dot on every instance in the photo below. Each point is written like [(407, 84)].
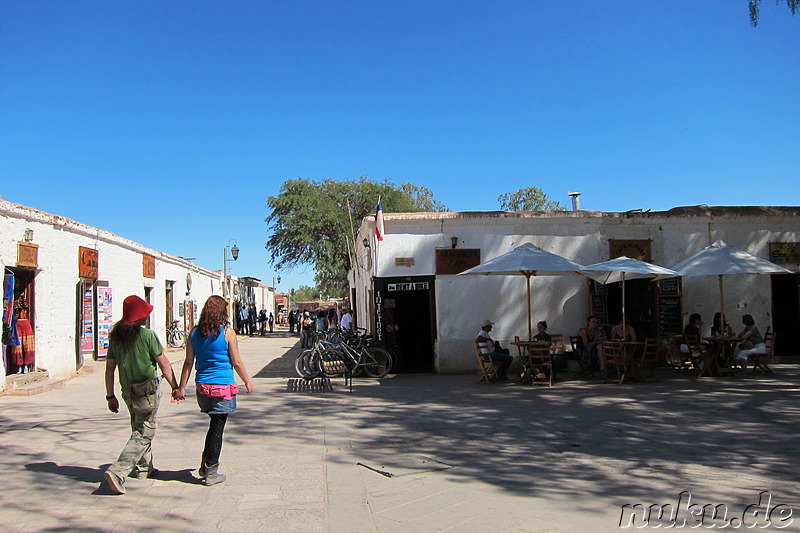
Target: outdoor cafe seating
[(487, 369), (616, 362), (761, 361)]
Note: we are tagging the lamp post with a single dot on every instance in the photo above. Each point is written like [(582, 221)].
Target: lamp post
[(226, 290), (274, 304)]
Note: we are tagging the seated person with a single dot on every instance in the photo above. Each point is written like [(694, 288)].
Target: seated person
[(752, 341), (542, 335), (692, 330), (691, 342), (717, 330), (588, 340), (723, 352), (499, 354), (628, 336)]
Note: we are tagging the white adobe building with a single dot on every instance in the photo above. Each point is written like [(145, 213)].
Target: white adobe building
[(73, 278), (406, 291)]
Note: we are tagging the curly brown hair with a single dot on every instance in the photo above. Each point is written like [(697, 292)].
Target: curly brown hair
[(125, 333), (213, 315)]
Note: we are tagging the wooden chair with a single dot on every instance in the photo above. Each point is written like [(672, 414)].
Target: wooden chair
[(615, 362), (678, 359), (487, 369), (647, 363), (583, 370), (540, 364), (761, 360)]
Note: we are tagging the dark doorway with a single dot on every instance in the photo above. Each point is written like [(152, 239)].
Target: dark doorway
[(406, 313), (786, 313), (639, 301)]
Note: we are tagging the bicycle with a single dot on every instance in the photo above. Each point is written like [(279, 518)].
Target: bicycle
[(335, 353), (176, 337), (355, 354)]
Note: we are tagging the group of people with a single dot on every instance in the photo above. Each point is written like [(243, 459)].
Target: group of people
[(136, 352), (311, 326), (751, 342), (252, 322), (590, 338)]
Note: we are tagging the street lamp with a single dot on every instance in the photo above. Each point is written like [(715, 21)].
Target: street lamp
[(234, 253)]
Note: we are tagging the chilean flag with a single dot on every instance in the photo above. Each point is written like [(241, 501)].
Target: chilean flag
[(379, 222)]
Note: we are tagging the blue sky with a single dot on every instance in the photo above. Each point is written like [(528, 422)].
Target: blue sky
[(169, 123)]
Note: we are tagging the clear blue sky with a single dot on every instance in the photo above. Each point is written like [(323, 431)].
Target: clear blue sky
[(169, 123)]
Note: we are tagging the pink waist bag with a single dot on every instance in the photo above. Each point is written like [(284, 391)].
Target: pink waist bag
[(226, 392)]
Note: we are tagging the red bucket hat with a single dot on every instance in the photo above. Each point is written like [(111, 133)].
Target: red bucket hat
[(134, 308)]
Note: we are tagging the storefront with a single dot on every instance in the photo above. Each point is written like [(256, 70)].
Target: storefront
[(64, 283), (411, 298)]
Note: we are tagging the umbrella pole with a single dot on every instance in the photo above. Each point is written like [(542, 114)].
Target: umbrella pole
[(624, 331), (530, 330), (722, 328)]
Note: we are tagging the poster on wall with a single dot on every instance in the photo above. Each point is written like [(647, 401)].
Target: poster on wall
[(87, 318), (104, 319)]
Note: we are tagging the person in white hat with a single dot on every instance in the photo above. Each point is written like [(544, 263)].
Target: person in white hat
[(499, 354)]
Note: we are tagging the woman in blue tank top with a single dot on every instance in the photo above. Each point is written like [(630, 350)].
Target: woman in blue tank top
[(214, 352)]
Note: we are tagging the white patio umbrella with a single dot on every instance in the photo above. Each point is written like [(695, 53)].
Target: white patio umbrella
[(526, 260), (721, 259), (622, 268)]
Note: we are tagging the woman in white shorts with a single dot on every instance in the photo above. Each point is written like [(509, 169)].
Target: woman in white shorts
[(752, 338)]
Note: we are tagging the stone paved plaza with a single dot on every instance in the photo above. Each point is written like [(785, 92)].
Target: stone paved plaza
[(416, 452)]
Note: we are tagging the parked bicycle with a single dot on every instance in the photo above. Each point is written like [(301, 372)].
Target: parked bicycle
[(176, 337), (336, 353)]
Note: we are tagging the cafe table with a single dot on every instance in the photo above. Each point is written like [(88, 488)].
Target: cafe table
[(721, 343), (524, 355)]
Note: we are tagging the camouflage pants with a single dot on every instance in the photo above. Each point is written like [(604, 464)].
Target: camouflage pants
[(138, 452)]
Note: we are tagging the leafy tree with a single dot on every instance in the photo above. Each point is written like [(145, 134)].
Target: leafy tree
[(528, 199), (755, 7), (313, 222), (422, 198), (306, 294)]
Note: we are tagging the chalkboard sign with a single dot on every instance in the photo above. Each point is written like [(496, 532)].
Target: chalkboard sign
[(599, 309), (599, 288), (669, 286), (669, 315)]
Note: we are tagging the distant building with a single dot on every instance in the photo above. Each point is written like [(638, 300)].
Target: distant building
[(72, 278), (405, 289)]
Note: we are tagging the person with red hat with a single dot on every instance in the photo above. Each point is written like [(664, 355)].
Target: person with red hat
[(137, 352)]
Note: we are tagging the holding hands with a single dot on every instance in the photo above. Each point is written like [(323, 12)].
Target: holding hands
[(178, 395)]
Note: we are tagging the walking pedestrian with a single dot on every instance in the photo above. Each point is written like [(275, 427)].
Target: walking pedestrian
[(271, 322), (292, 320), (214, 351), (136, 351)]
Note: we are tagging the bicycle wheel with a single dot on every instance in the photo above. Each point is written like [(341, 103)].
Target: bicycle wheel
[(307, 365), (378, 362), (176, 339), (333, 362)]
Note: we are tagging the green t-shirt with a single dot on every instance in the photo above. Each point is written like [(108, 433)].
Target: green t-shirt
[(136, 363)]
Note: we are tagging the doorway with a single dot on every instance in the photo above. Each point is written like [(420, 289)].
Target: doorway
[(20, 313), (404, 309), (786, 313), (640, 299)]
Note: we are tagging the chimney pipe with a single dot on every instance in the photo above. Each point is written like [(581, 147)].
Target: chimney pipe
[(576, 201)]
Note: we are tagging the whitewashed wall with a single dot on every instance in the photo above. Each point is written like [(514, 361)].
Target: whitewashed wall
[(120, 264), (463, 301)]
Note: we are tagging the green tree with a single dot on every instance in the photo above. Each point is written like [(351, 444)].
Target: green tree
[(755, 8), (306, 294), (528, 199), (313, 222), (422, 198)]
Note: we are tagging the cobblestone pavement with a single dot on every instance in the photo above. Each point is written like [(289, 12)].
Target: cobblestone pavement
[(412, 452)]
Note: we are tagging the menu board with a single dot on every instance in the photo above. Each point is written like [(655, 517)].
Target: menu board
[(669, 286), (669, 315), (599, 309)]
